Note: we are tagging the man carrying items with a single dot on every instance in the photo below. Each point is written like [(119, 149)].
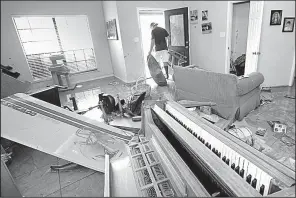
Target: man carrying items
[(159, 39)]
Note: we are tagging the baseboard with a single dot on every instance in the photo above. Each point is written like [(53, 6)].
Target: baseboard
[(96, 78)]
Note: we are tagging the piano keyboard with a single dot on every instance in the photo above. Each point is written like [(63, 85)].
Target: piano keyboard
[(253, 175), (257, 178)]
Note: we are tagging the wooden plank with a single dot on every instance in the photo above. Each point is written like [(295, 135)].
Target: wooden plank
[(107, 177), (182, 168), (270, 166), (190, 103), (52, 135), (225, 176)]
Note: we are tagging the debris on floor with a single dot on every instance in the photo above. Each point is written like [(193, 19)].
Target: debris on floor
[(290, 96), (267, 89), (260, 131), (278, 126), (243, 133)]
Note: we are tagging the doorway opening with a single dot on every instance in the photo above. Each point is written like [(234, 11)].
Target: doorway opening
[(146, 17), (239, 37)]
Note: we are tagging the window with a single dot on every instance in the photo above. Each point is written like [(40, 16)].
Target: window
[(42, 37)]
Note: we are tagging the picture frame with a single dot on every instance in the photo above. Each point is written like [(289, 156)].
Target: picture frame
[(112, 30), (288, 24), (206, 28), (275, 17), (204, 15), (193, 16)]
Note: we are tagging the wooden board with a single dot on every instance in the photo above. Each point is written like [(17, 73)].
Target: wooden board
[(51, 129)]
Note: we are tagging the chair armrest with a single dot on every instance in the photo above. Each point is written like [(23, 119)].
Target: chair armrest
[(245, 85)]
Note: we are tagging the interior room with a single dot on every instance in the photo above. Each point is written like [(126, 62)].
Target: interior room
[(148, 98)]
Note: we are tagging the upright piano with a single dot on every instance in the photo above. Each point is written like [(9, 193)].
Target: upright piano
[(179, 154)]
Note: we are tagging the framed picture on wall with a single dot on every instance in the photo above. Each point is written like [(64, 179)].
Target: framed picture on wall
[(204, 15), (288, 25), (206, 28), (112, 30), (193, 16), (276, 17)]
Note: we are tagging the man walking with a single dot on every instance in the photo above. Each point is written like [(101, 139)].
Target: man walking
[(159, 39)]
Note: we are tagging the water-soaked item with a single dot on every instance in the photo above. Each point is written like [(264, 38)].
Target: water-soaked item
[(108, 102), (156, 71)]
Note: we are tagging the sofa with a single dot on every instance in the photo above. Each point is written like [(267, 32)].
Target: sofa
[(233, 96)]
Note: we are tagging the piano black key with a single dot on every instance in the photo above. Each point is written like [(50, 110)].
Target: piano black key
[(233, 166), (249, 178), (254, 182), (224, 158), (209, 146), (219, 154), (214, 150), (261, 191), (227, 161), (241, 172), (237, 169), (202, 140)]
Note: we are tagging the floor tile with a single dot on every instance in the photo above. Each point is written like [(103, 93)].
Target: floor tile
[(40, 182), (91, 186)]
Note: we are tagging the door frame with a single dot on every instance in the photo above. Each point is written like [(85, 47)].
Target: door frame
[(139, 9), (292, 75), (229, 32)]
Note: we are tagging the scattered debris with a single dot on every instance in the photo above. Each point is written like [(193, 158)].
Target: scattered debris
[(243, 133), (260, 131), (268, 89), (278, 126), (287, 140), (290, 96), (6, 157)]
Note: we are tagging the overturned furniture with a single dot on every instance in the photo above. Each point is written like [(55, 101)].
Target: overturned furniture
[(231, 94)]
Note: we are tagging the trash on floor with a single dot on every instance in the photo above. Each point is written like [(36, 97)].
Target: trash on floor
[(290, 96), (267, 89), (243, 133), (260, 131), (287, 140), (278, 126)]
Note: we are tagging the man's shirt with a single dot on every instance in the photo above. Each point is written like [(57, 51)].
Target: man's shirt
[(159, 34)]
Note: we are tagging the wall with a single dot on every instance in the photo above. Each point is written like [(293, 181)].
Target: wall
[(240, 23), (208, 50), (127, 13), (116, 50), (11, 47), (277, 48)]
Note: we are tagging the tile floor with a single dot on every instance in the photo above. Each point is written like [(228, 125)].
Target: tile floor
[(31, 171)]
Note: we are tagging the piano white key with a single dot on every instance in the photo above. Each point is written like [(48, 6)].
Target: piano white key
[(267, 182), (251, 171), (258, 177), (241, 164)]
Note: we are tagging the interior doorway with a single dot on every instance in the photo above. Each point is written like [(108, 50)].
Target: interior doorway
[(250, 61), (146, 17), (239, 36)]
